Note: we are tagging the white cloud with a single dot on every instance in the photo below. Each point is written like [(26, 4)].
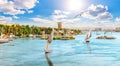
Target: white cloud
[(58, 15), (63, 16), (4, 19), (3, 1), (97, 12), (70, 22), (30, 11), (14, 7), (58, 12), (15, 17), (117, 22), (8, 8), (41, 20), (104, 16), (44, 22), (117, 19), (25, 4)]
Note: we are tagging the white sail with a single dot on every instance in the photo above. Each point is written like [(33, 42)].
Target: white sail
[(88, 35), (50, 38)]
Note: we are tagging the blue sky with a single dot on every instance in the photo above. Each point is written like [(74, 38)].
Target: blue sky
[(49, 12)]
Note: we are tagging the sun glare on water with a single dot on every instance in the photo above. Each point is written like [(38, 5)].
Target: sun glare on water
[(75, 4)]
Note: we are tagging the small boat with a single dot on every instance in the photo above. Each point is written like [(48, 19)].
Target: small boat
[(50, 38), (110, 37), (48, 51), (105, 37), (88, 36), (4, 40)]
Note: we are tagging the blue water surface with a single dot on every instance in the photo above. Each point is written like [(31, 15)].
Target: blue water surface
[(30, 52)]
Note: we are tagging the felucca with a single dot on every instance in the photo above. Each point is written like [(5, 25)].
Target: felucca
[(88, 36), (3, 40), (105, 36), (50, 38)]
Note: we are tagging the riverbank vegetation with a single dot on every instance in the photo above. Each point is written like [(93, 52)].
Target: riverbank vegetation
[(26, 31)]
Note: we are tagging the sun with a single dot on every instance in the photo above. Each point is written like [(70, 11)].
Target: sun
[(75, 4)]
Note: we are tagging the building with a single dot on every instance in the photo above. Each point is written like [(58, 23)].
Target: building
[(117, 29), (59, 25), (98, 29)]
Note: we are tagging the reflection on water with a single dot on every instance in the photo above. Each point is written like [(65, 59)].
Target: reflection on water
[(48, 59), (88, 46)]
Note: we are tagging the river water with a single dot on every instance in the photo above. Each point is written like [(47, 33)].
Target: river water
[(30, 52)]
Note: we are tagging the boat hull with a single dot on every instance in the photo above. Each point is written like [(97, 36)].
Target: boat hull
[(105, 37), (4, 40), (87, 41)]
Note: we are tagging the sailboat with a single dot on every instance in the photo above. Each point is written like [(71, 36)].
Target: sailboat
[(105, 36), (110, 37), (50, 38), (3, 40), (88, 36)]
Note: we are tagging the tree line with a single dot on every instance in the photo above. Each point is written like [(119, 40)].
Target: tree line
[(26, 30)]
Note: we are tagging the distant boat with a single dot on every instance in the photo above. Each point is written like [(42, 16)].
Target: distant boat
[(11, 37), (88, 36), (4, 40), (106, 37), (50, 38)]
